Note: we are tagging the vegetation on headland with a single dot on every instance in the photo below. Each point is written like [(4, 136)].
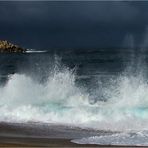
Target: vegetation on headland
[(6, 47)]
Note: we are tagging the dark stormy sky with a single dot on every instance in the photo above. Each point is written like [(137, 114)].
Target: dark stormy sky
[(76, 24)]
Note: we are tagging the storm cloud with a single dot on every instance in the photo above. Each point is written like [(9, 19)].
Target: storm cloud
[(75, 24)]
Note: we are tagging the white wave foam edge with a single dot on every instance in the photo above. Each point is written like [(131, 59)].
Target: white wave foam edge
[(35, 51), (122, 139)]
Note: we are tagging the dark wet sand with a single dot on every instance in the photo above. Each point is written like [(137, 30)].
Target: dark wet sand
[(31, 142), (35, 135), (37, 142)]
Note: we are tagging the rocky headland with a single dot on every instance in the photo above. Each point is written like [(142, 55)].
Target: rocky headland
[(6, 47)]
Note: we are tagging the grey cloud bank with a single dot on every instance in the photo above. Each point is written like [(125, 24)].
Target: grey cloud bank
[(73, 24)]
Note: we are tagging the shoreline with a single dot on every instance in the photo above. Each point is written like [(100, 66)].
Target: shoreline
[(42, 142), (39, 142), (35, 135)]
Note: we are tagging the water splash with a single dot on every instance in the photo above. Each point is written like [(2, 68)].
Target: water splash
[(121, 102)]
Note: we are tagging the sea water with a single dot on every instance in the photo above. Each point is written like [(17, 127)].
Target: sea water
[(99, 89)]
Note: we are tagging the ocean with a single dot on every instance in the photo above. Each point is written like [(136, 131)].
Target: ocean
[(86, 89)]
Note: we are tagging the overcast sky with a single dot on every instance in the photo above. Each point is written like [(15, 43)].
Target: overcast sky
[(73, 24)]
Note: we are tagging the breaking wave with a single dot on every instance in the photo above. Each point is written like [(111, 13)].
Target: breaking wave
[(122, 104)]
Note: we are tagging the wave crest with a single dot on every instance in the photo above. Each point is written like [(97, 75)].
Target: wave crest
[(60, 100)]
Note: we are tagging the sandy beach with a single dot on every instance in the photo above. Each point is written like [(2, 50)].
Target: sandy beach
[(35, 135), (43, 142)]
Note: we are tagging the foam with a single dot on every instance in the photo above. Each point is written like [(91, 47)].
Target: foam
[(60, 100), (125, 139)]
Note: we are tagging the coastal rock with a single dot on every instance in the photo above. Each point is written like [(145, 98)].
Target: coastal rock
[(7, 47)]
